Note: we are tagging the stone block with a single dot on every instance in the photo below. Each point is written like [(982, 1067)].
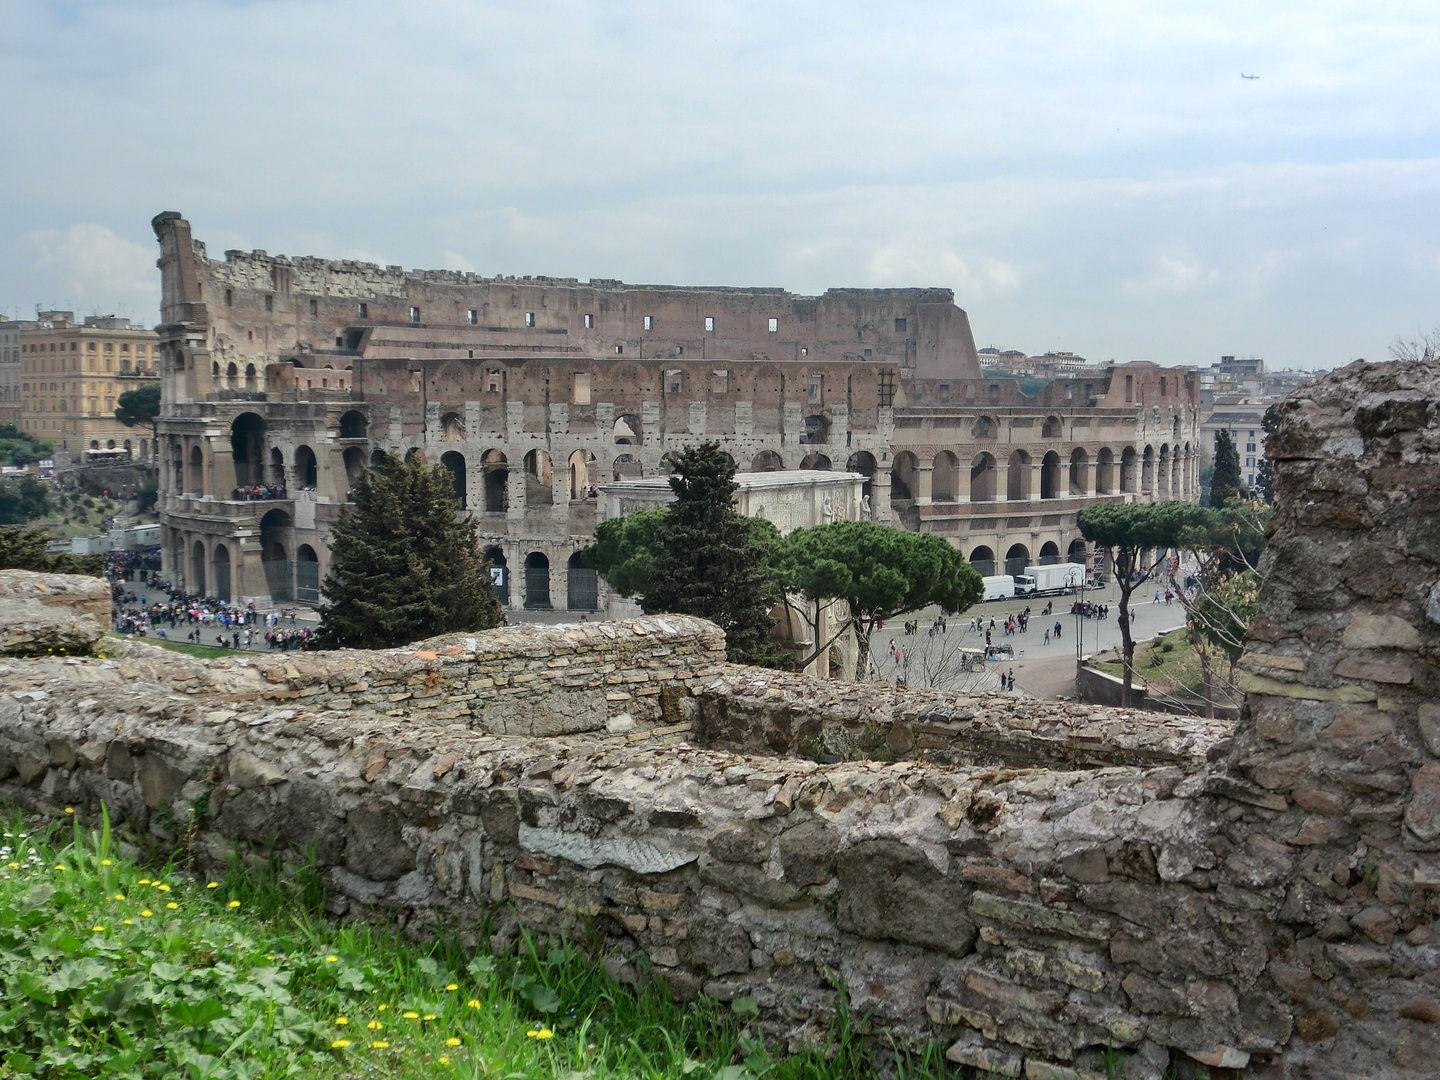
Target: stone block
[(1380, 632), (987, 1060), (889, 890), (1351, 667), (1422, 813), (44, 614), (1039, 918)]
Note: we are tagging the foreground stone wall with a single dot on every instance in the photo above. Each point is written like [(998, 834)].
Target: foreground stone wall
[(49, 613), (1264, 900)]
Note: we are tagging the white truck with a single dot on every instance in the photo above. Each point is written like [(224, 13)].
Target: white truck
[(1049, 580), (999, 587)]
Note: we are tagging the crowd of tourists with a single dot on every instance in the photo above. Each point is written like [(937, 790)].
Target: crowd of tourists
[(255, 492)]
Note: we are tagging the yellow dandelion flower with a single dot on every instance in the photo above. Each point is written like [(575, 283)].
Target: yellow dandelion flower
[(332, 958), (339, 1044), (105, 862), (13, 865), (380, 1044), (119, 896), (384, 1007), (341, 1021), (443, 1060), (172, 905), (97, 929), (146, 913), (163, 888), (452, 1041), (59, 866), (127, 922), (452, 986), (428, 1017), (374, 1025), (545, 1033), (473, 1003), (143, 881), (409, 1015), (69, 809), (233, 903), (212, 884)]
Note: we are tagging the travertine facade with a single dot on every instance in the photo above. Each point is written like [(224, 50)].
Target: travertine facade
[(1034, 885), (299, 371)]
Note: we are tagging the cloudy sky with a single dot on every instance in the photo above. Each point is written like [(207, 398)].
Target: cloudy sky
[(1092, 176)]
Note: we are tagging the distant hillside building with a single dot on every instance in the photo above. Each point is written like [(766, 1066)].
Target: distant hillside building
[(11, 334), (284, 378)]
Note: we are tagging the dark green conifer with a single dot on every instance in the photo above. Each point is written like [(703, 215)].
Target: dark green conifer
[(404, 564), (708, 564), (1225, 481)]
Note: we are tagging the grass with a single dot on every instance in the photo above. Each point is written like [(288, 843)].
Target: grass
[(1170, 664), (114, 971), (186, 647)]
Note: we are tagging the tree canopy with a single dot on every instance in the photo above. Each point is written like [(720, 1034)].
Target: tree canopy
[(879, 572), (138, 406), (707, 562), (1225, 480), (22, 499), (405, 564), (24, 549), (1265, 470), (19, 448)]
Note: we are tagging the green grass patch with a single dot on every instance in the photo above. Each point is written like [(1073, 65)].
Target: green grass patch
[(184, 646), (114, 971)]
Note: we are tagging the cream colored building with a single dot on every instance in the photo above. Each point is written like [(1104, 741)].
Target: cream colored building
[(71, 376), (11, 331)]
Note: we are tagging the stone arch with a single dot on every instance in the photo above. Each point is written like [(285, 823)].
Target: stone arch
[(1127, 469), (582, 468), (582, 585), (277, 466), (1016, 559), (307, 575), (232, 377), (985, 427), (1017, 477), (221, 559), (945, 478), (670, 462), (195, 480), (377, 458), (415, 453), (496, 471), (1052, 428), (1162, 472), (539, 479), (247, 448), (276, 542), (452, 427), (815, 461), (1105, 472), (1079, 472), (815, 429), (863, 462), (626, 467), (767, 461), (982, 559), (197, 568), (1050, 476), (496, 558), (352, 425), (902, 476), (252, 383), (628, 431), (982, 478), (307, 472), (1147, 471), (1078, 552), (1049, 553), (454, 463), (537, 581), (354, 459)]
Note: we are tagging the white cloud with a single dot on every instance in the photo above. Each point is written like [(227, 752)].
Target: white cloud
[(92, 268), (1170, 274), (453, 260)]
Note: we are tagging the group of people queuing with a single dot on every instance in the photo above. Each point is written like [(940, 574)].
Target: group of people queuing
[(204, 620), (1090, 610), (255, 492), (937, 626)]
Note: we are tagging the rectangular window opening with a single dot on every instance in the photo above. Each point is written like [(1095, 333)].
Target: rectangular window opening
[(229, 297), (472, 316), (582, 388), (649, 322), (529, 318), (589, 322), (900, 326), (364, 311), (673, 381), (709, 324), (719, 382), (774, 326), (314, 309), (494, 380), (619, 349), (269, 302), (414, 314)]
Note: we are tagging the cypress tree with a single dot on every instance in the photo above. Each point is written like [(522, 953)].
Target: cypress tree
[(404, 564), (1225, 481), (708, 565)]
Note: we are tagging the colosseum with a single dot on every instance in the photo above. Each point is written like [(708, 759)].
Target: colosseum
[(284, 377)]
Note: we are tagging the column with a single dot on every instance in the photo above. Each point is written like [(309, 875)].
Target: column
[(1036, 469), (924, 475), (1002, 481)]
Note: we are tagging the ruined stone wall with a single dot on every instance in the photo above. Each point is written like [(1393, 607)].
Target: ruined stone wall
[(1264, 901)]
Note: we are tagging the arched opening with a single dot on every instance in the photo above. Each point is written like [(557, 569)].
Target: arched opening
[(626, 467), (354, 459), (815, 461), (496, 471), (864, 464), (1077, 552), (1127, 469), (377, 459), (767, 461), (306, 472), (196, 480), (1016, 559), (454, 463), (815, 429), (1051, 429), (1017, 477), (627, 430), (982, 478), (983, 560), (247, 449), (945, 478), (984, 427), (307, 575), (537, 581), (232, 377), (276, 532), (1049, 553), (352, 425), (499, 574), (582, 467), (670, 462), (222, 573), (724, 454), (1050, 476), (582, 591), (1147, 471), (416, 454), (452, 428), (251, 382), (539, 479), (197, 569), (1162, 473), (1079, 472), (277, 466), (902, 476), (1105, 472)]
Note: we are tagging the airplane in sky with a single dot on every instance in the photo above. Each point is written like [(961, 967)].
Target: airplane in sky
[(1244, 76)]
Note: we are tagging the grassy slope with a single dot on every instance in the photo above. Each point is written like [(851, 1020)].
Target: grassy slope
[(113, 971)]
